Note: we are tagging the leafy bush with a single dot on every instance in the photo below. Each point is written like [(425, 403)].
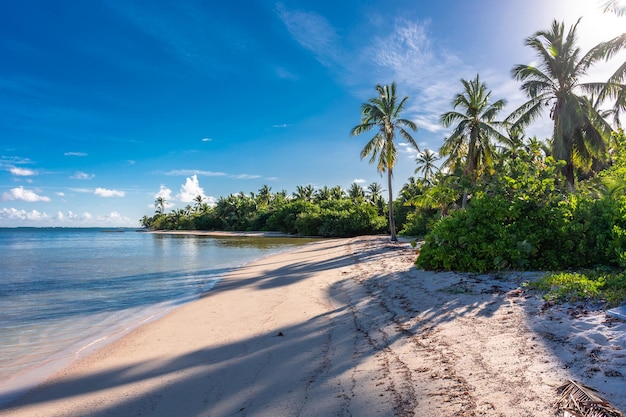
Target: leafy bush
[(520, 220)]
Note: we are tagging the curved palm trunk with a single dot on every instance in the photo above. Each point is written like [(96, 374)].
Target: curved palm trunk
[(392, 221)]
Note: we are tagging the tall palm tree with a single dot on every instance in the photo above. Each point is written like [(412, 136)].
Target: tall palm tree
[(426, 165), (475, 129), (159, 204), (579, 132), (199, 199), (383, 113)]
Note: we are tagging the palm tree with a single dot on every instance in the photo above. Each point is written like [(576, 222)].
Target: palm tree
[(374, 196), (579, 132), (426, 165), (356, 192), (265, 195), (304, 193), (476, 127), (383, 113), (337, 193), (159, 204), (323, 194), (198, 207), (374, 191), (615, 6)]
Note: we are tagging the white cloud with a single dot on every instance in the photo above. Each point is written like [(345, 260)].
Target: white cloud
[(21, 193), (15, 217), (405, 148), (359, 181), (190, 190), (166, 194), (15, 214), (285, 74), (60, 194), (189, 172), (281, 126), (246, 177), (311, 31), (115, 218), (103, 192), (82, 190), (11, 161), (206, 139), (22, 172), (75, 154), (79, 175)]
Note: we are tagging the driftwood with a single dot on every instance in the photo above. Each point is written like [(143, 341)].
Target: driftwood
[(578, 400)]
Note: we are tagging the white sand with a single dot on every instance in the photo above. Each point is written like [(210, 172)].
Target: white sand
[(346, 328)]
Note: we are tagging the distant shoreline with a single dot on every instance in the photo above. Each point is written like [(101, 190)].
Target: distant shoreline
[(222, 234)]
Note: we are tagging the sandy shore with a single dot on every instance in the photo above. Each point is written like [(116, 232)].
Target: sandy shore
[(346, 328)]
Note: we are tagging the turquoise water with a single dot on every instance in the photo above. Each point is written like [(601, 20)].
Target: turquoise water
[(66, 292)]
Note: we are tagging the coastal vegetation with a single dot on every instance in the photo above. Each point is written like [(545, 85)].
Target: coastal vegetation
[(328, 212), (491, 198)]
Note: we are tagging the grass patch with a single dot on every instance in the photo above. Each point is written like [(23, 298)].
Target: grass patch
[(604, 285)]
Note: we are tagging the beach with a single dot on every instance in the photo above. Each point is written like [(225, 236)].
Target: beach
[(346, 327)]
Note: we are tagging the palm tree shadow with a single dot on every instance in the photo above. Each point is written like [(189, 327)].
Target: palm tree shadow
[(313, 364)]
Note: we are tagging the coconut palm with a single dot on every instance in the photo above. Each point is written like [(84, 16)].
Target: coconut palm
[(580, 132), (426, 165), (615, 6), (159, 204), (356, 192), (337, 193), (383, 113), (475, 130), (265, 195), (323, 194), (374, 191), (199, 206), (304, 192)]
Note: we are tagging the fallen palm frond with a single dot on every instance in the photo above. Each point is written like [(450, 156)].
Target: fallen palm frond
[(578, 400)]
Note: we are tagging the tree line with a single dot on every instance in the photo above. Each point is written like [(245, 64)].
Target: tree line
[(491, 197)]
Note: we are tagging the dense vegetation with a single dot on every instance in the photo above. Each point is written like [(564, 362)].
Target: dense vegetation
[(491, 198), (328, 212)]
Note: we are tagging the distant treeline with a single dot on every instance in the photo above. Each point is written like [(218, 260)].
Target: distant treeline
[(327, 212)]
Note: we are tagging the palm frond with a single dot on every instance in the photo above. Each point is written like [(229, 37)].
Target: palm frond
[(578, 400)]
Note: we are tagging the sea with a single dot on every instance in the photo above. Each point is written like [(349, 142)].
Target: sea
[(67, 292)]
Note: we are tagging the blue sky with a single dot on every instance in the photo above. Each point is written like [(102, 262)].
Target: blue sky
[(108, 104)]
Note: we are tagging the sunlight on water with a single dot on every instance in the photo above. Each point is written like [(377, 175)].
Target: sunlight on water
[(66, 292)]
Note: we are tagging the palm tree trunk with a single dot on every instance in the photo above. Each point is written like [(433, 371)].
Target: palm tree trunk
[(569, 177), (392, 221)]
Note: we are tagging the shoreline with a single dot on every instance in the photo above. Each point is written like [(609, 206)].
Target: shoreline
[(345, 327), (222, 234)]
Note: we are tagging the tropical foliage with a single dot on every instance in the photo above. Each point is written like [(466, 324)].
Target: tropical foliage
[(580, 129), (490, 198), (323, 212), (532, 204)]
